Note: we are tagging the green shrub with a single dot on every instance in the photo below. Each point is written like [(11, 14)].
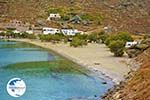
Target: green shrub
[(2, 34), (31, 36), (76, 42), (87, 17), (98, 37), (27, 35), (117, 47), (81, 36), (123, 36), (65, 18), (54, 10), (103, 36), (93, 37)]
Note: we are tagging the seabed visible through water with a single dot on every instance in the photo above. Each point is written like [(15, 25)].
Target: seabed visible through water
[(47, 75)]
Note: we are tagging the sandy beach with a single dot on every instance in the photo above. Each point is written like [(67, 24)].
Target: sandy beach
[(95, 57)]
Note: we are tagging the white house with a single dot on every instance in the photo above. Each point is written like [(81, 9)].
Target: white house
[(54, 16), (48, 30), (1, 31), (30, 31), (70, 31), (130, 44), (107, 29), (16, 31)]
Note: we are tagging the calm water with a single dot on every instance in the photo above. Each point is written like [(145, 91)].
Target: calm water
[(44, 85)]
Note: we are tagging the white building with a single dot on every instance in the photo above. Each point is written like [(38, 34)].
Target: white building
[(47, 30), (1, 31), (70, 31), (29, 31), (16, 31), (107, 29), (54, 17), (130, 44)]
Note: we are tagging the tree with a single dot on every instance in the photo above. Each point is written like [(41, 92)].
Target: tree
[(117, 47), (123, 36)]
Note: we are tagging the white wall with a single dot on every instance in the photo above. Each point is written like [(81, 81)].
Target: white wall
[(70, 31), (129, 44), (50, 31)]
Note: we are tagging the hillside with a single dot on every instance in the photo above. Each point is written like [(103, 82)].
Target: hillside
[(138, 86), (121, 15)]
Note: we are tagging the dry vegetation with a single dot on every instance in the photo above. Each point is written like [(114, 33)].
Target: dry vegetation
[(138, 87), (122, 15)]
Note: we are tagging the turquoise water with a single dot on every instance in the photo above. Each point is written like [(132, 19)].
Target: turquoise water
[(45, 85)]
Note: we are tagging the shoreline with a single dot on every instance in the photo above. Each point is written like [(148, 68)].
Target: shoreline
[(75, 55)]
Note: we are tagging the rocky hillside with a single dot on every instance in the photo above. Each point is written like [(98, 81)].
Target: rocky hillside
[(138, 86), (121, 15)]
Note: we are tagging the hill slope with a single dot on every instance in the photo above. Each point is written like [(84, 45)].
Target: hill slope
[(138, 86), (121, 15)]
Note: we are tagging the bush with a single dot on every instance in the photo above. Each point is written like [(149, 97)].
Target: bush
[(94, 37), (117, 47), (103, 36), (87, 17), (98, 37), (52, 38), (46, 38), (123, 36), (81, 36), (27, 35), (65, 18), (76, 42), (54, 10)]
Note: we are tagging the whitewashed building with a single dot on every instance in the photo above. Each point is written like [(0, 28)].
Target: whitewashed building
[(70, 31), (29, 31), (1, 31), (107, 29), (16, 31), (48, 30), (54, 17), (130, 44)]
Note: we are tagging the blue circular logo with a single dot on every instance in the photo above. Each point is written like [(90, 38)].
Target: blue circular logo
[(16, 87)]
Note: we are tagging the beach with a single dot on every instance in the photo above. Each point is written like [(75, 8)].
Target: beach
[(95, 57)]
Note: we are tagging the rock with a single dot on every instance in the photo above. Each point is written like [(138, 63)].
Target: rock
[(104, 82), (116, 95)]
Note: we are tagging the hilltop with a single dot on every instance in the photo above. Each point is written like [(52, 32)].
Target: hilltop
[(120, 15)]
